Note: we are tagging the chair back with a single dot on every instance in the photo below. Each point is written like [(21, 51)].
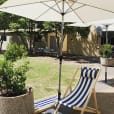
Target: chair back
[(80, 93)]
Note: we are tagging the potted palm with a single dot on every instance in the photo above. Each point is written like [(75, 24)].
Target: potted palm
[(105, 53), (14, 96)]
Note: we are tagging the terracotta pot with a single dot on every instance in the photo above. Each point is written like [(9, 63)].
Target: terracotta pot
[(23, 104)]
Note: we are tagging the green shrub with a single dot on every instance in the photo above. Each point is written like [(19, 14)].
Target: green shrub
[(13, 71), (15, 52), (106, 51)]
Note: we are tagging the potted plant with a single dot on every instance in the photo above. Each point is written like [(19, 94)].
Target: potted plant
[(14, 96), (105, 53)]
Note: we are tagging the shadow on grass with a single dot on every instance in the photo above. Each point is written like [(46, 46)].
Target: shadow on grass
[(77, 58), (82, 59)]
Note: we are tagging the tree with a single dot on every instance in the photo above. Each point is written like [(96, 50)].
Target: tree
[(4, 24), (2, 1)]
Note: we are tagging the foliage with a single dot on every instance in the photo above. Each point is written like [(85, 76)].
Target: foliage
[(15, 26), (51, 26), (4, 21), (2, 1), (106, 51), (4, 18), (13, 71), (84, 31), (17, 22), (15, 52)]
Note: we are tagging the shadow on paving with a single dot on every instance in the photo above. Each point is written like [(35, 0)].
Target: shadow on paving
[(109, 82), (63, 110)]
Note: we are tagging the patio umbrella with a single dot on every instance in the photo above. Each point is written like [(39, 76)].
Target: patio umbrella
[(105, 25), (61, 11), (110, 28), (79, 24)]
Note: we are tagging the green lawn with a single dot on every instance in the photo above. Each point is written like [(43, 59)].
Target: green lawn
[(43, 75)]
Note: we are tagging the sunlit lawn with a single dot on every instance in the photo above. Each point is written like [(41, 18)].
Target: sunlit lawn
[(43, 75)]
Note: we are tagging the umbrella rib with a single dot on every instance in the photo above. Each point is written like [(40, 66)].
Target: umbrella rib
[(77, 8), (58, 5), (73, 10), (19, 5), (96, 7), (49, 7), (69, 6), (24, 4)]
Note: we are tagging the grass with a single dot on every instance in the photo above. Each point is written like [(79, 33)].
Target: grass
[(43, 76)]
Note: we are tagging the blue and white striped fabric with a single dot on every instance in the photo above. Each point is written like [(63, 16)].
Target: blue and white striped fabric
[(45, 102), (79, 95), (89, 72)]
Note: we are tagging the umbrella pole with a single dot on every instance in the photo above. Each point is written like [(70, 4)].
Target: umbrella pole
[(106, 43), (107, 34), (60, 67), (60, 53)]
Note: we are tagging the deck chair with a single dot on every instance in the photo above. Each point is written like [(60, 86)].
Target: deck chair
[(44, 104), (79, 98)]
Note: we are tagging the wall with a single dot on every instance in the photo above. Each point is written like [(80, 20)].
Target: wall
[(73, 43), (53, 35), (10, 37), (87, 46), (76, 45)]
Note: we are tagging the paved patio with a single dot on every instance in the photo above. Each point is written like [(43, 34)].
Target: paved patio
[(105, 94)]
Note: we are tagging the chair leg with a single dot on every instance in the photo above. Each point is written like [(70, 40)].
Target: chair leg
[(95, 101), (95, 104), (57, 108), (98, 112), (82, 112)]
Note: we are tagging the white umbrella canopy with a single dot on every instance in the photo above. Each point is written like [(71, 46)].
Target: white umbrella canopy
[(79, 24), (104, 28), (110, 28), (51, 10), (109, 22), (61, 11)]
